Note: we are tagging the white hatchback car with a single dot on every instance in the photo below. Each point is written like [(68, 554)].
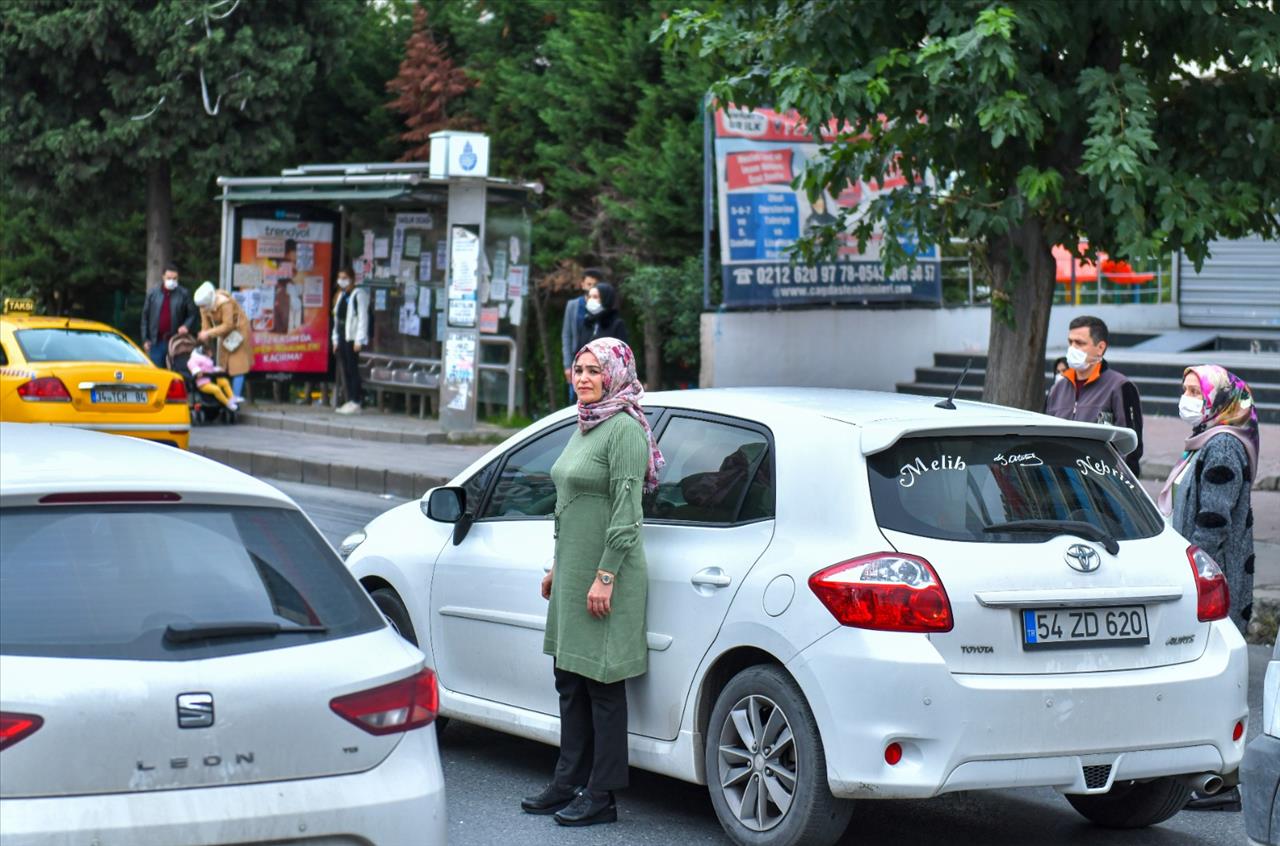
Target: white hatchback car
[(184, 659), (852, 595)]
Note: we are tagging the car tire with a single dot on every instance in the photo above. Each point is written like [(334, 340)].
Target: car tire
[(1133, 805), (765, 701), (391, 606)]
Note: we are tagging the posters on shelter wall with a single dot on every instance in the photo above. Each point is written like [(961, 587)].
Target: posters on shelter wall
[(283, 279), (758, 153)]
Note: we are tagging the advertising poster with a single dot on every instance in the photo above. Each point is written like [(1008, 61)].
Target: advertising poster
[(291, 256), (758, 153)]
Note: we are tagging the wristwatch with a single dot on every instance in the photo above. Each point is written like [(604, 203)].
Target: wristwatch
[(606, 579)]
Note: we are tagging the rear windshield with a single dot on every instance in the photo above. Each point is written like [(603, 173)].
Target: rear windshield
[(955, 487), (76, 345), (105, 582)]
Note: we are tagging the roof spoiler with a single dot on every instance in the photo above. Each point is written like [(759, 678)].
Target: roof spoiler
[(880, 435)]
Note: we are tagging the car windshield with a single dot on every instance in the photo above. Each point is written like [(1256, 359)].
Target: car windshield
[(965, 488), (77, 345), (108, 581)]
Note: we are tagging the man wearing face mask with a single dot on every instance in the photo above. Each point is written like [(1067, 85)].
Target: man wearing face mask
[(350, 335), (1092, 392), (167, 311)]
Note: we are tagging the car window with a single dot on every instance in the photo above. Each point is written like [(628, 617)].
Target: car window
[(4, 355), (524, 488), (106, 581), (478, 484), (954, 488), (76, 345), (710, 467)]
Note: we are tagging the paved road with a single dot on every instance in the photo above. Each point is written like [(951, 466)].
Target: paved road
[(487, 772)]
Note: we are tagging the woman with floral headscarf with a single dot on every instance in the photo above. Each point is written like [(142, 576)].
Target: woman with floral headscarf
[(1207, 494), (598, 585)]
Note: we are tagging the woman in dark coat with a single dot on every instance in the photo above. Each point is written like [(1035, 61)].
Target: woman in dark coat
[(603, 319), (1207, 494)]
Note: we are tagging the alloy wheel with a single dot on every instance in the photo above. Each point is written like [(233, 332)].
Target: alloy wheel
[(758, 766)]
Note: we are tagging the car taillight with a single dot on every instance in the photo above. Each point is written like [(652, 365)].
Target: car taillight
[(400, 706), (1213, 600), (14, 727), (44, 389), (177, 391), (887, 591)]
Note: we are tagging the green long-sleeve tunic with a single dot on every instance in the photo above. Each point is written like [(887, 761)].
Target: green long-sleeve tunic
[(599, 481)]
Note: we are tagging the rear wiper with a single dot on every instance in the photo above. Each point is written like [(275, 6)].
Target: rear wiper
[(186, 632), (1088, 531)]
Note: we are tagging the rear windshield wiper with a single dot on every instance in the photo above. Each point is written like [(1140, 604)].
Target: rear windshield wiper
[(186, 632), (1088, 531)]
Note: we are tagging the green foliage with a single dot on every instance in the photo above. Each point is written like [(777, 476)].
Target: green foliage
[(674, 296), (1100, 120)]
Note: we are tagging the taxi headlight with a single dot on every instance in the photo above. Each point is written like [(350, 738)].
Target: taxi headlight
[(350, 542)]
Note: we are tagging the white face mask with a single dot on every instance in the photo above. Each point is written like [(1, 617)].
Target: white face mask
[(1077, 359), (594, 306), (344, 282), (170, 284), (1191, 409)]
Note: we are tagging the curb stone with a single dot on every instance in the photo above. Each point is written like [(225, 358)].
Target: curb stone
[(352, 477)]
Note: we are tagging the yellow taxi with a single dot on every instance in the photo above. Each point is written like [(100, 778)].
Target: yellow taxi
[(85, 374)]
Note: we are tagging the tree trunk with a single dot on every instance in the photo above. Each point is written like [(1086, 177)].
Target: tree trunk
[(539, 311), (159, 221), (1022, 272), (652, 351)]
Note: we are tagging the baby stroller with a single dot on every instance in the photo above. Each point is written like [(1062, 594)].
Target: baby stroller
[(208, 388)]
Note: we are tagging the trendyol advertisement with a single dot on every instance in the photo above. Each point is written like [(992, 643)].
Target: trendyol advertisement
[(759, 152), (283, 277)]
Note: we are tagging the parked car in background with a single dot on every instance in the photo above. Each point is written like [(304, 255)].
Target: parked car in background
[(184, 659), (87, 375), (852, 595), (1260, 769)]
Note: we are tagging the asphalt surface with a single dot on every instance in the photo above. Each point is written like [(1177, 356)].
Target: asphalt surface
[(487, 772)]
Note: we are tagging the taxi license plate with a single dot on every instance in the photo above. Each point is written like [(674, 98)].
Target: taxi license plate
[(119, 396), (1063, 628)]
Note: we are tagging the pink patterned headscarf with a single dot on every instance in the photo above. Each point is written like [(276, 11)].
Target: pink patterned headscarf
[(622, 392)]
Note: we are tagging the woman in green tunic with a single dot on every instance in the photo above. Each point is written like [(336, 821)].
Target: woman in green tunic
[(598, 585)]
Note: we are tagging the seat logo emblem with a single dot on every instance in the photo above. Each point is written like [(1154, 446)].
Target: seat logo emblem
[(195, 710), (1082, 558)]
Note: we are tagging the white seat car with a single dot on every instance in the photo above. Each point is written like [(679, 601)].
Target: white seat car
[(184, 660), (852, 595)]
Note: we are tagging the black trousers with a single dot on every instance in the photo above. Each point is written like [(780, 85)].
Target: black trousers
[(593, 733), (349, 361)]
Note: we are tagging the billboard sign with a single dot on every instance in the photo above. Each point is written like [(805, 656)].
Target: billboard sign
[(758, 153), (284, 274)]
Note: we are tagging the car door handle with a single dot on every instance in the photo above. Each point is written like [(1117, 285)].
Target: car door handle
[(711, 577)]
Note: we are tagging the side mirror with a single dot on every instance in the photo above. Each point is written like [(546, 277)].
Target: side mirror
[(444, 505)]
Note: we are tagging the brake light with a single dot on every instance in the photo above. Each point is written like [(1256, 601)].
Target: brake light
[(177, 391), (14, 727), (400, 706), (1213, 599), (44, 389), (98, 497), (886, 591)]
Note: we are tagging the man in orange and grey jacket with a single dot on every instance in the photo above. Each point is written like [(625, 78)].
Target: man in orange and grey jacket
[(1092, 392)]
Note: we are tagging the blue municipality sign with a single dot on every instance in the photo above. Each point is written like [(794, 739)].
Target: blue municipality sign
[(758, 154)]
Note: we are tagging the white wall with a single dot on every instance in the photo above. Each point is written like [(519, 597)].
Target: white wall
[(872, 348)]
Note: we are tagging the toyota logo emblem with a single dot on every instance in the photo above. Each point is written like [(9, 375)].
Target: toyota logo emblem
[(1082, 558), (119, 375)]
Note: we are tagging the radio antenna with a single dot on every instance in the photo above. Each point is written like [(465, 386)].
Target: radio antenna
[(947, 403)]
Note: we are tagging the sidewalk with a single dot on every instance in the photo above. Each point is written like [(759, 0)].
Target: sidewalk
[(372, 452)]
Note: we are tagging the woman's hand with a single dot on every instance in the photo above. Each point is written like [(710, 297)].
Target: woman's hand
[(600, 600), (546, 584), (203, 336)]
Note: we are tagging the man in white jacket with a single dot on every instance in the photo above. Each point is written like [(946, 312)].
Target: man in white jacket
[(350, 335)]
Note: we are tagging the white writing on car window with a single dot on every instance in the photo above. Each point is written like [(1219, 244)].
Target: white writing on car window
[(915, 469)]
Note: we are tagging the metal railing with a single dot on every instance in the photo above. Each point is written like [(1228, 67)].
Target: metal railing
[(965, 284)]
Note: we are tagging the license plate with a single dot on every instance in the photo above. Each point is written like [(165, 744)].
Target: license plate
[(118, 396), (1062, 628)]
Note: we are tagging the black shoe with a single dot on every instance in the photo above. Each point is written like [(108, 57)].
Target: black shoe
[(552, 798), (1227, 800), (588, 808)]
